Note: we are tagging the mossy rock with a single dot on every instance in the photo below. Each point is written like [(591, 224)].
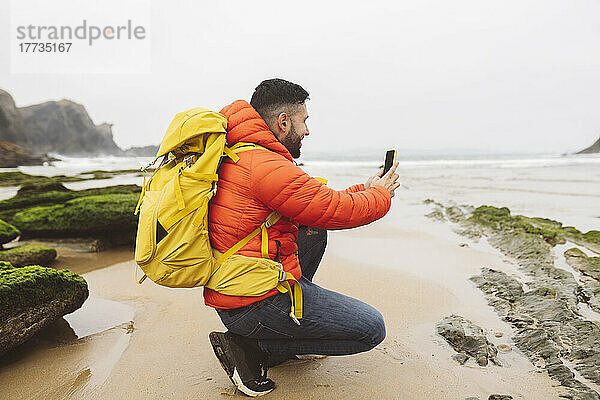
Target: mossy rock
[(34, 195), (592, 237), (17, 178), (89, 215), (32, 297), (8, 233), (28, 254), (500, 219), (42, 187)]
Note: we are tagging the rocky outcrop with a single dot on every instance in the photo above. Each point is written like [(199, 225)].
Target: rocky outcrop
[(12, 156), (28, 254), (11, 121), (549, 323), (62, 127), (547, 331), (33, 297), (106, 215), (102, 217), (145, 151), (53, 193), (468, 340), (595, 148)]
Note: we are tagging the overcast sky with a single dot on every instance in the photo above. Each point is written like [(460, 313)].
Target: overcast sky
[(439, 75)]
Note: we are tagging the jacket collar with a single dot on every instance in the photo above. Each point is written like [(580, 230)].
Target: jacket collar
[(244, 124)]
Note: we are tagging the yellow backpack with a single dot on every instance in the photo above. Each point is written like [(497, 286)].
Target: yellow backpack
[(172, 243)]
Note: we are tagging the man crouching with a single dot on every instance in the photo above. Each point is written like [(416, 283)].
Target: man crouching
[(261, 331)]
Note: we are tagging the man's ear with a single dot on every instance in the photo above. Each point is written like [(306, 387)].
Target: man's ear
[(283, 121)]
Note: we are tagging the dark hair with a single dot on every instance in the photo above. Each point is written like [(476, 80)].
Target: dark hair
[(273, 96)]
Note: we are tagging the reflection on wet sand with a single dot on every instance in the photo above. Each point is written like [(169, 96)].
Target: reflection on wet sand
[(83, 347)]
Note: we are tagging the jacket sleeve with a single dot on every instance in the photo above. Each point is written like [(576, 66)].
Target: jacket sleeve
[(287, 189), (355, 188)]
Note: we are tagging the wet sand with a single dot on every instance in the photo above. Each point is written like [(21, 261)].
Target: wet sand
[(164, 352), (152, 342)]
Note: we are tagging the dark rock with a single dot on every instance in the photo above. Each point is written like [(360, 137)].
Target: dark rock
[(468, 339), (12, 155), (499, 397), (28, 254), (460, 358), (595, 148), (33, 297)]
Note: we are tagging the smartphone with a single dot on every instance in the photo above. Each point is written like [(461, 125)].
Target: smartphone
[(390, 159)]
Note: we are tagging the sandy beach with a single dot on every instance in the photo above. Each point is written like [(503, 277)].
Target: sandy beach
[(149, 342)]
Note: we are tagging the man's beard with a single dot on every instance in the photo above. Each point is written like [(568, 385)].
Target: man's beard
[(292, 143)]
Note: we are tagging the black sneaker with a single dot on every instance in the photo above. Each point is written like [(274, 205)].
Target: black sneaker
[(243, 362)]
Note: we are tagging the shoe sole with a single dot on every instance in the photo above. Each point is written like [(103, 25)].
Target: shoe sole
[(220, 349)]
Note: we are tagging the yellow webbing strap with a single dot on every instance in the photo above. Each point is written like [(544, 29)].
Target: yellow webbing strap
[(322, 180), (200, 177), (245, 146), (271, 219), (264, 242), (229, 153), (295, 292)]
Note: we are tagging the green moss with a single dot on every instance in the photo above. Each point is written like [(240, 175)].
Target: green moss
[(117, 189), (41, 187), (500, 219), (592, 237), (5, 265), (28, 254), (34, 195), (23, 201), (90, 214), (7, 233), (17, 178), (32, 286)]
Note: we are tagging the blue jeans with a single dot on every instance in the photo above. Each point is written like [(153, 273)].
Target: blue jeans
[(332, 324)]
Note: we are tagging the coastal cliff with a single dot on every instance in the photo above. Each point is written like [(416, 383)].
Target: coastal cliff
[(62, 127), (595, 148)]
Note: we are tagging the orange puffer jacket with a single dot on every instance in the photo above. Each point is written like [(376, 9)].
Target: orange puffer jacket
[(262, 181)]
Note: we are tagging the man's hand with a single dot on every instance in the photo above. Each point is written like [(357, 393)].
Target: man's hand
[(388, 181)]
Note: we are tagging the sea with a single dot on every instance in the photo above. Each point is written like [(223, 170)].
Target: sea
[(563, 187)]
